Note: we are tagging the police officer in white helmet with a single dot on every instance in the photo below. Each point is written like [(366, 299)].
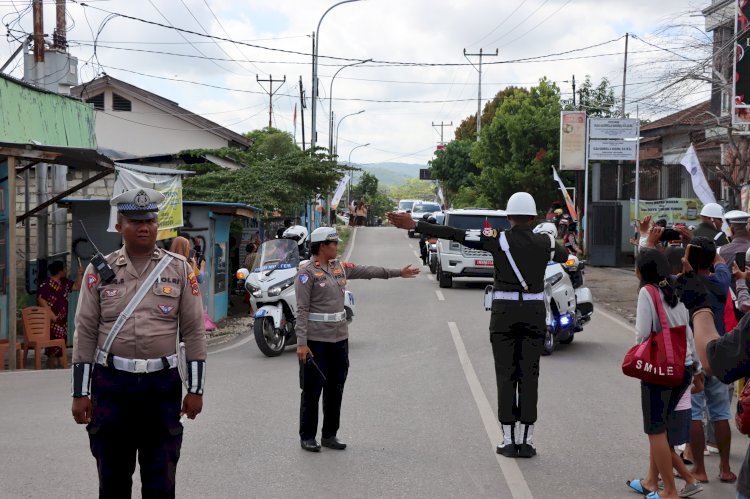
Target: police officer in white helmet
[(517, 323), (712, 216), (323, 336)]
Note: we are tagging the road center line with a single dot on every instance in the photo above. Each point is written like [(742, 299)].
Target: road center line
[(351, 245), (430, 277), (439, 295), (519, 489)]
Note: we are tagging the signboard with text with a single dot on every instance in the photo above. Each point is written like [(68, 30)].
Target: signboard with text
[(572, 140), (617, 149), (605, 128), (674, 210)]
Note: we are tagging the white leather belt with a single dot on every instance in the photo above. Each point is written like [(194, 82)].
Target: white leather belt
[(516, 296), (138, 366), (334, 317)]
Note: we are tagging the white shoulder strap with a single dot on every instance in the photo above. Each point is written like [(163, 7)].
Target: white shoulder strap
[(125, 315), (506, 249), (718, 235)]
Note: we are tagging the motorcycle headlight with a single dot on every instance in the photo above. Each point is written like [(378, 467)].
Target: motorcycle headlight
[(552, 280), (276, 290), (254, 290)]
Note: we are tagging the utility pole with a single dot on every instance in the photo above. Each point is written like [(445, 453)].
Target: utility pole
[(622, 113), (481, 54), (270, 93), (38, 31), (574, 91), (442, 125), (59, 36), (302, 106), (313, 102)]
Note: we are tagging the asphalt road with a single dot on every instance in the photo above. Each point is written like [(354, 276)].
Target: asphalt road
[(419, 411)]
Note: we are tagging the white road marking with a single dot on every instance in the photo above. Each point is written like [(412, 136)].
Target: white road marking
[(411, 245), (244, 340), (430, 277), (351, 245), (439, 295), (628, 327), (519, 489), (417, 254)]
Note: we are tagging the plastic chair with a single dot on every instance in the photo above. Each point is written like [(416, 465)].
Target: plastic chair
[(36, 335), (4, 347)]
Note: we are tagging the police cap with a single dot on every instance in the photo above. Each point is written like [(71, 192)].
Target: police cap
[(324, 234), (736, 217), (138, 204)]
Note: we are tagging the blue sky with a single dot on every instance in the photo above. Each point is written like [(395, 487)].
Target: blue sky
[(389, 30)]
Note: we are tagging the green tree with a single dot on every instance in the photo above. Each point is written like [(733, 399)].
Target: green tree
[(454, 168), (367, 187), (516, 150), (467, 130), (598, 101), (415, 189), (271, 143)]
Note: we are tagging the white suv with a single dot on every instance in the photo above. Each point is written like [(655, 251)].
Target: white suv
[(456, 260)]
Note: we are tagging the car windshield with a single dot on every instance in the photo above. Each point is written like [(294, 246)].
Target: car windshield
[(277, 254), (426, 208), (476, 221), (405, 205)]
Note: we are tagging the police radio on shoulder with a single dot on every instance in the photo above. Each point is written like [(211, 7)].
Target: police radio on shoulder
[(106, 274)]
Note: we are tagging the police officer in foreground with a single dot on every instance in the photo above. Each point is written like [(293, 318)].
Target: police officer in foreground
[(322, 334), (712, 216), (517, 322), (126, 386)]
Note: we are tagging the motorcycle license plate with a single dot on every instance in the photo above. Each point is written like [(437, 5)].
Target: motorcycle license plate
[(483, 263)]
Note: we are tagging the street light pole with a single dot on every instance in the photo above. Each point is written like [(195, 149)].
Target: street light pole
[(349, 163), (330, 103), (336, 143), (316, 43)]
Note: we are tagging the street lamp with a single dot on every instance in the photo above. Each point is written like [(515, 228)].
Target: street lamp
[(315, 72), (336, 144), (330, 103), (349, 163)]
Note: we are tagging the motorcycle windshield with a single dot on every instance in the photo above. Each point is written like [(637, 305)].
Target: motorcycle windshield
[(277, 254)]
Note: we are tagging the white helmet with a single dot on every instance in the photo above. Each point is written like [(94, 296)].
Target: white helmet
[(712, 210), (736, 217), (324, 234), (546, 228), (521, 203), (297, 233)]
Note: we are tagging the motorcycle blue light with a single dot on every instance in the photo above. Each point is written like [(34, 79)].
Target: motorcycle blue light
[(565, 320)]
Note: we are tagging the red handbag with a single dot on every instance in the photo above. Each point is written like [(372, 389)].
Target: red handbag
[(661, 358)]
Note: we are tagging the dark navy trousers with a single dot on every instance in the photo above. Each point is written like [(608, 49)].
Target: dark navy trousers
[(333, 361), (135, 415)]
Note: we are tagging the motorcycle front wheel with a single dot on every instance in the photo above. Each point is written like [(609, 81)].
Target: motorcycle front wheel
[(549, 342), (271, 341)]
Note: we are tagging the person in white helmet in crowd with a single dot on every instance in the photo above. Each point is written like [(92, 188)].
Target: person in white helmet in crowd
[(517, 322), (712, 216), (298, 234), (323, 335)]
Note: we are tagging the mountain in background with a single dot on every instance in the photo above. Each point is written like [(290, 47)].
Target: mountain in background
[(392, 174)]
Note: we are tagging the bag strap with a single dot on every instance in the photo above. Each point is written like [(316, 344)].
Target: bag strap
[(666, 331), (134, 302), (506, 249)]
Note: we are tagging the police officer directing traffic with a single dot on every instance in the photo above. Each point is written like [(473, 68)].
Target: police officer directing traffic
[(322, 334), (126, 382), (712, 216), (517, 322)]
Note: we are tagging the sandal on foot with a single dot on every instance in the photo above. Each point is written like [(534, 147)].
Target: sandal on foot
[(690, 489), (687, 462), (732, 478), (653, 495), (637, 486)]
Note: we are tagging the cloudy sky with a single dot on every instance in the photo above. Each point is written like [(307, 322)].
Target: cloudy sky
[(400, 101)]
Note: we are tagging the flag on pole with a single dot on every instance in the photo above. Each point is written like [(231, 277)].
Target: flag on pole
[(339, 192), (568, 202), (700, 184), (294, 117)]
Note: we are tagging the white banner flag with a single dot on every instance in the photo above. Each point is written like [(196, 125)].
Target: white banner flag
[(700, 184), (339, 192), (568, 201)]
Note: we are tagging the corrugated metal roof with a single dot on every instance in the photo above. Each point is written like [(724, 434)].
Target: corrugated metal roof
[(692, 116), (153, 170)]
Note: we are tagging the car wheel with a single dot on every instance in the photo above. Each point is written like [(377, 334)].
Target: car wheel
[(445, 280)]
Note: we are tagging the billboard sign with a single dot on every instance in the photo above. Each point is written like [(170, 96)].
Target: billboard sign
[(604, 128), (572, 140), (617, 150), (741, 88)]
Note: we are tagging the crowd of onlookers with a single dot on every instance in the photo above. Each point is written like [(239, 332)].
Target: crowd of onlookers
[(701, 287)]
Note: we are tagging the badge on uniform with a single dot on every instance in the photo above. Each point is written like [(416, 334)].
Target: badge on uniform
[(193, 285), (303, 278), (111, 293), (165, 309), (91, 280), (489, 232), (166, 290)]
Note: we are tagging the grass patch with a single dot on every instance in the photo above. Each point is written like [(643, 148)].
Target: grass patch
[(345, 234)]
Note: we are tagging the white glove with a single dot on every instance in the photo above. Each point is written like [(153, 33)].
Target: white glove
[(472, 235)]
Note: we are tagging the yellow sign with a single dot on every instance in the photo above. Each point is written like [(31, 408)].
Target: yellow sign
[(674, 210)]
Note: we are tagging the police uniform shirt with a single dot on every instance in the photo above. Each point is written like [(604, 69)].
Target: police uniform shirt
[(704, 229), (320, 289), (530, 251), (150, 332)]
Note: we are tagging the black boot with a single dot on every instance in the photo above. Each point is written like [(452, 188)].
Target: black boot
[(310, 445), (333, 443), (526, 447), (508, 446)]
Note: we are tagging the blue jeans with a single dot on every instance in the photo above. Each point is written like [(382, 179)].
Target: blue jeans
[(741, 496), (715, 396)]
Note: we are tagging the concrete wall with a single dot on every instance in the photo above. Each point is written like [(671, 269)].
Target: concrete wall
[(147, 130)]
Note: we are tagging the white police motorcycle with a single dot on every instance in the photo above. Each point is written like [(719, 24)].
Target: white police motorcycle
[(569, 303), (271, 287)]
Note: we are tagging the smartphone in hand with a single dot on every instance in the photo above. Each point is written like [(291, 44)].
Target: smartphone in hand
[(694, 254), (739, 258)]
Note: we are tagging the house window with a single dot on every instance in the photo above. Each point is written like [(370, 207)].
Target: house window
[(120, 103), (97, 101)]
